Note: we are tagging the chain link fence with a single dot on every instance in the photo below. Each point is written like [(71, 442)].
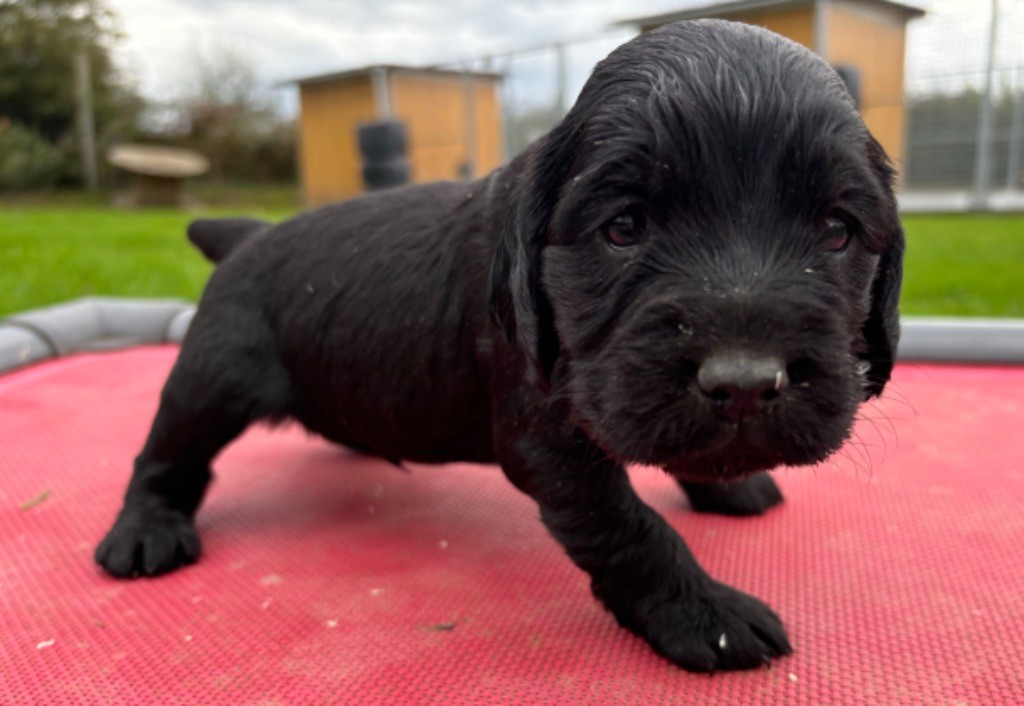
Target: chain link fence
[(541, 82), (963, 99)]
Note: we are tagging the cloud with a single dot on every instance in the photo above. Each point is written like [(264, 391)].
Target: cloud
[(290, 38), (286, 39)]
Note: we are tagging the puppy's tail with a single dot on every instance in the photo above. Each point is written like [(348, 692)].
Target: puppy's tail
[(217, 238)]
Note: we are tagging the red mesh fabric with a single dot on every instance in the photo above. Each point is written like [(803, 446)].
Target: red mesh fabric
[(333, 578)]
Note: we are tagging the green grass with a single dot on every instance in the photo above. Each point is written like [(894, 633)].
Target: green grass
[(956, 265), (50, 255), (964, 265), (210, 193)]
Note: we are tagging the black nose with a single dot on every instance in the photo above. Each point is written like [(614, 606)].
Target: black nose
[(740, 382)]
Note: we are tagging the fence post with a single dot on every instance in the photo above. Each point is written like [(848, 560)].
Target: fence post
[(1016, 128), (563, 79), (86, 126), (381, 84), (986, 116), (469, 134), (820, 10), (509, 108)]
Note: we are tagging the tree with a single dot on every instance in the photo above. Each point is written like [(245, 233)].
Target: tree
[(39, 40), (228, 115)]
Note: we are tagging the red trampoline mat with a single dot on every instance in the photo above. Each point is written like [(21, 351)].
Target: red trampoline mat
[(333, 578)]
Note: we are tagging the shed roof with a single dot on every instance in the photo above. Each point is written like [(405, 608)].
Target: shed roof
[(735, 7), (392, 68)]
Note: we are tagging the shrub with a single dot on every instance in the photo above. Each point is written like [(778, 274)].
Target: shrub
[(27, 161)]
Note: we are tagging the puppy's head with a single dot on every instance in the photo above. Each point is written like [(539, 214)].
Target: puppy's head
[(705, 255)]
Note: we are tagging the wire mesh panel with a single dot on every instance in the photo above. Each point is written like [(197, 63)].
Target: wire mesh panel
[(963, 95), (542, 83), (957, 81)]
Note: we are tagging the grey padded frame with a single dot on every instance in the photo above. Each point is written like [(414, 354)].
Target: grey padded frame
[(91, 324), (962, 340), (102, 323)]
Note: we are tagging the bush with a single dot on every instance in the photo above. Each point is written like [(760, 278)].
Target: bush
[(27, 161)]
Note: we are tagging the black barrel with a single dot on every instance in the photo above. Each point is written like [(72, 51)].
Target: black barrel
[(851, 77), (383, 146)]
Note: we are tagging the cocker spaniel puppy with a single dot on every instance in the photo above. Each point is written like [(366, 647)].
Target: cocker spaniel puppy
[(698, 269)]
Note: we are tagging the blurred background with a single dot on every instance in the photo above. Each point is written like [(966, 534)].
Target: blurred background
[(120, 120)]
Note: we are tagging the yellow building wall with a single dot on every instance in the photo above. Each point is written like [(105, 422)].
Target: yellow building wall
[(873, 40), (864, 35), (489, 132), (797, 24), (436, 112), (329, 159)]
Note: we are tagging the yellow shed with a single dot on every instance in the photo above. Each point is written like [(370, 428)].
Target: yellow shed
[(452, 120), (867, 35)]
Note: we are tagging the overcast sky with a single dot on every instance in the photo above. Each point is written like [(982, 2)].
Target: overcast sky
[(290, 38)]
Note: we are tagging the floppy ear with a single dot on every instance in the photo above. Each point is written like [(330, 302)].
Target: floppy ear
[(881, 330), (518, 304)]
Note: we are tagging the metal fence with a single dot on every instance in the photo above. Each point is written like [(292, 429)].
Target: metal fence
[(963, 101), (541, 82)]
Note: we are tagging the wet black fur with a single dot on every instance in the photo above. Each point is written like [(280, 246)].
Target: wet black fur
[(491, 321)]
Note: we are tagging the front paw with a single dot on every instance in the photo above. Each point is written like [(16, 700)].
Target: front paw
[(752, 496), (148, 542), (709, 628)]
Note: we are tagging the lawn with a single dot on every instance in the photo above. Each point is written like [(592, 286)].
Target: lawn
[(51, 255), (969, 265), (964, 265)]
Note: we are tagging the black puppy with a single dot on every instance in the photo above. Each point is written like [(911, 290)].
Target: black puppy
[(698, 268)]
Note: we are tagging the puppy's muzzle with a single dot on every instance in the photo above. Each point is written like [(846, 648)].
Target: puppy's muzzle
[(739, 383)]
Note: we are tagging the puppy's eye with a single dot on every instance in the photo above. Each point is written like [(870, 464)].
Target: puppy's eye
[(623, 231), (836, 233)]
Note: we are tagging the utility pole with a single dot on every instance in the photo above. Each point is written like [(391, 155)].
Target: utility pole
[(86, 127)]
